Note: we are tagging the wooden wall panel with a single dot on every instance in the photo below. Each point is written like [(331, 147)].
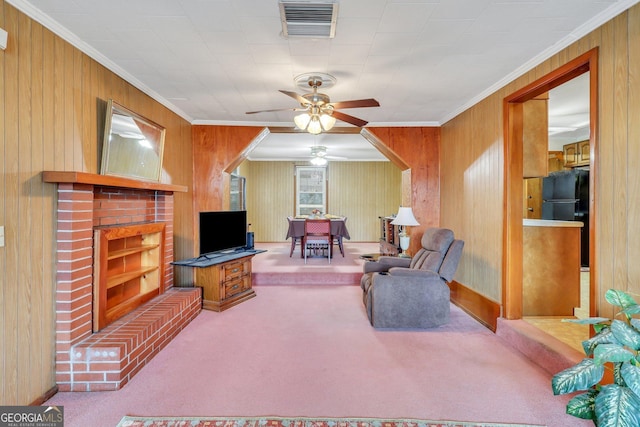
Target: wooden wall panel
[(620, 155), (218, 147), (470, 173), (418, 147), (52, 99), (361, 191), (10, 286), (472, 156), (270, 198), (39, 70), (215, 148), (633, 152)]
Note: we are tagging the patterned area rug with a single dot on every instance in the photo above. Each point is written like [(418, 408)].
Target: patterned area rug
[(131, 421)]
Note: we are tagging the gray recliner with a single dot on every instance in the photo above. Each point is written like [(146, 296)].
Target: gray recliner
[(413, 293)]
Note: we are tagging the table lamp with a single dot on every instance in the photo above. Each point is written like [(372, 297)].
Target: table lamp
[(403, 219)]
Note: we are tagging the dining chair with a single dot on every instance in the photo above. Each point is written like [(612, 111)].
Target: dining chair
[(294, 239), (338, 239), (317, 236)]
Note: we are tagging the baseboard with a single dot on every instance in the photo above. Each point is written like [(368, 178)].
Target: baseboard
[(46, 396), (478, 306)]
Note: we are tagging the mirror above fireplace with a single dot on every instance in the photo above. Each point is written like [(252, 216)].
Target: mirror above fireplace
[(133, 145)]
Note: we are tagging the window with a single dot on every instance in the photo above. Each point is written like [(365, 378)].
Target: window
[(237, 193), (311, 189)]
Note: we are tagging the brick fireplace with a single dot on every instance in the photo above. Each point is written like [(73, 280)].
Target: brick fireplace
[(106, 360)]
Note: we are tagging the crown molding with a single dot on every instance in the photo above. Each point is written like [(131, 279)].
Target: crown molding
[(595, 22), (37, 15)]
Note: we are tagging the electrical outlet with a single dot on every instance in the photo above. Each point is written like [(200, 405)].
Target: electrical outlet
[(1, 236)]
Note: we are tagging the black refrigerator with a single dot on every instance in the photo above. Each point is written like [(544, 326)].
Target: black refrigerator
[(565, 197)]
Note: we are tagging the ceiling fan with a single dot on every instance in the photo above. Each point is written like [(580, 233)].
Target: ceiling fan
[(319, 155), (318, 110)]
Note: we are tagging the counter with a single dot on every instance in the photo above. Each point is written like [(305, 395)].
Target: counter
[(551, 267), (550, 223)]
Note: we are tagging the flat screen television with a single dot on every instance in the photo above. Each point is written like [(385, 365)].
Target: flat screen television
[(222, 231)]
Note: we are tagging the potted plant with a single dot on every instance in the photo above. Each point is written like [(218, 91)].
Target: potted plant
[(617, 341)]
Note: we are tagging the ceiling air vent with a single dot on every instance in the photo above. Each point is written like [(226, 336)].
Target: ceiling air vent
[(308, 19)]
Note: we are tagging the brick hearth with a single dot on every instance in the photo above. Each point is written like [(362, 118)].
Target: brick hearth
[(108, 359), (87, 361)]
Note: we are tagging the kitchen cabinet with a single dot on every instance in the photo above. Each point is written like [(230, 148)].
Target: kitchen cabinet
[(576, 154), (551, 267), (532, 188), (584, 153), (535, 137)]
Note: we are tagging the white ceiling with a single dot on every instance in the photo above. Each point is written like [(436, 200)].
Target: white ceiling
[(425, 61)]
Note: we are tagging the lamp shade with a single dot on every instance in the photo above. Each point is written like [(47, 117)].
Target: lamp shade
[(405, 217), (302, 120), (314, 126), (327, 121)]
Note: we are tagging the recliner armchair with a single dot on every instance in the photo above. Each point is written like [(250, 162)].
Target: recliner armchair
[(413, 293)]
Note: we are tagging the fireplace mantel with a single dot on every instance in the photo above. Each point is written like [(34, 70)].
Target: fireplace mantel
[(74, 177), (107, 359)]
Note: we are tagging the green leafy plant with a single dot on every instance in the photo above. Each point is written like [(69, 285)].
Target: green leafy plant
[(618, 342)]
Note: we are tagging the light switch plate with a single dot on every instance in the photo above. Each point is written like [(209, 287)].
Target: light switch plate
[(3, 42), (1, 236)]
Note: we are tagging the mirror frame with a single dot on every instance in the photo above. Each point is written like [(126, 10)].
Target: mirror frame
[(153, 133)]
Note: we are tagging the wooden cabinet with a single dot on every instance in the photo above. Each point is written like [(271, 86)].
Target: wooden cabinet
[(532, 198), (551, 267), (225, 284), (535, 137), (584, 153), (576, 154), (128, 269), (533, 188), (389, 239)]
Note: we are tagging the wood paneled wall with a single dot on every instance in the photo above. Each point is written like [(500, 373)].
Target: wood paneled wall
[(361, 191), (473, 156), (216, 148), (270, 197), (418, 147), (52, 105)]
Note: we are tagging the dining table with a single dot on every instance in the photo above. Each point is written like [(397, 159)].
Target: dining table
[(295, 232)]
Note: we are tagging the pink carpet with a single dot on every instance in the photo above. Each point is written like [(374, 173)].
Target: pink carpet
[(309, 351), (276, 267), (296, 422)]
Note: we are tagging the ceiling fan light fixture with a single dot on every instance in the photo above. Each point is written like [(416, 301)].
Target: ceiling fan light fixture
[(327, 121), (302, 120), (318, 161), (315, 127)]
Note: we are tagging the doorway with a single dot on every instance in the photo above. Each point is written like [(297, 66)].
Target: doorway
[(514, 198)]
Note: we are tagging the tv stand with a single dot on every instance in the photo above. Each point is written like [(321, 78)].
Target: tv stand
[(225, 279)]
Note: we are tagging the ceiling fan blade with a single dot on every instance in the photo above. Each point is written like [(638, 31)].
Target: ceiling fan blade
[(271, 111), (356, 103), (349, 119), (295, 96)]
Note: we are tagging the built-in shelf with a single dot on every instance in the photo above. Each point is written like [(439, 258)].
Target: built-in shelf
[(75, 177), (127, 269), (129, 251)]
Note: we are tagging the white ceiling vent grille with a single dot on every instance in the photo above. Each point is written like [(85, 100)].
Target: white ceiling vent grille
[(308, 19)]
